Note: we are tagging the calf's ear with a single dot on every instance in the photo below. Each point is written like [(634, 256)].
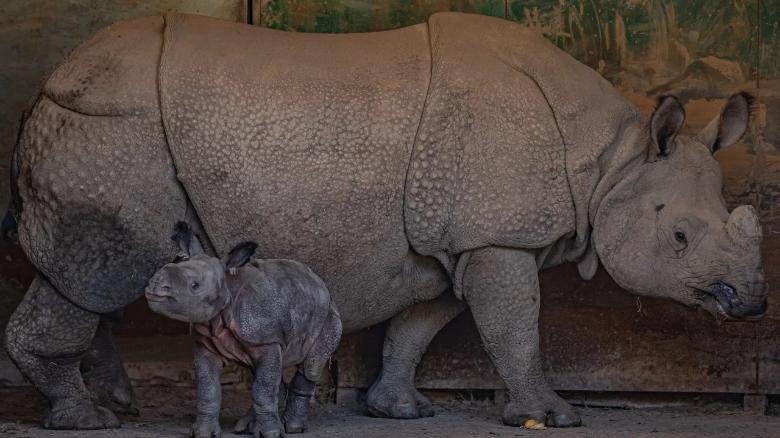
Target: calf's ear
[(730, 125), (665, 124), (188, 242), (240, 255)]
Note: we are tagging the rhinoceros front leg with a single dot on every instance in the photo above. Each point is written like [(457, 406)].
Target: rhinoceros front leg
[(265, 392), (393, 394), (103, 372), (47, 336), (207, 367), (501, 287)]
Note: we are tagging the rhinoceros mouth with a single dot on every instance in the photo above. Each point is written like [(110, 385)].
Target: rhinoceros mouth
[(156, 297), (714, 308), (720, 299)]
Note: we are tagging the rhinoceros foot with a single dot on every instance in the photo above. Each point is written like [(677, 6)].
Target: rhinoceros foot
[(82, 416), (115, 392), (400, 401), (557, 414), (265, 428), (206, 428), (245, 424)]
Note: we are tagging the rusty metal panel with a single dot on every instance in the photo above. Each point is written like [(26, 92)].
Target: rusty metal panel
[(359, 357), (768, 192), (769, 329), (598, 337)]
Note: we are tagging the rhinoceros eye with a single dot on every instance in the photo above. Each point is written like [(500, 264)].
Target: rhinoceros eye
[(680, 237), (195, 285)]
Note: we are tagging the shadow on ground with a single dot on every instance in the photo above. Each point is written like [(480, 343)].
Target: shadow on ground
[(169, 411)]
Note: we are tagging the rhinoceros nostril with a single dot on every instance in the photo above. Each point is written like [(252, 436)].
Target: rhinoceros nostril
[(724, 292)]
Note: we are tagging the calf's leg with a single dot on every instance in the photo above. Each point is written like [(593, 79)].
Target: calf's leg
[(265, 391), (301, 388), (207, 369), (47, 337)]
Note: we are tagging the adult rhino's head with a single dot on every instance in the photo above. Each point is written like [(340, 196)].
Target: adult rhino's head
[(192, 288), (664, 229)]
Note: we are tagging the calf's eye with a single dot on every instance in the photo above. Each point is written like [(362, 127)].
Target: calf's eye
[(195, 285), (680, 237)]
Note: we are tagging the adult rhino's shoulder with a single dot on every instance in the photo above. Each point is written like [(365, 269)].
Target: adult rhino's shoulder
[(488, 166), (113, 73)]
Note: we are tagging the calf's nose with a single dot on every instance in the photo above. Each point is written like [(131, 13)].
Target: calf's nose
[(159, 284)]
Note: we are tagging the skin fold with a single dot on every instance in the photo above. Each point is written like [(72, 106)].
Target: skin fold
[(419, 172)]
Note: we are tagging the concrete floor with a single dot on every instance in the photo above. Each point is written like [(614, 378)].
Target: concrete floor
[(168, 412)]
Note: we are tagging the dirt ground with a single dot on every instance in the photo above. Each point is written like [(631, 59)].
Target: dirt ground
[(168, 412)]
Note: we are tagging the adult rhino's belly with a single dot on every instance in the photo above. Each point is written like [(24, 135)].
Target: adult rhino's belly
[(301, 143)]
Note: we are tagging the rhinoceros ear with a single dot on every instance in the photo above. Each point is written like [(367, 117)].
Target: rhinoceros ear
[(730, 125), (667, 120), (240, 255), (187, 241)]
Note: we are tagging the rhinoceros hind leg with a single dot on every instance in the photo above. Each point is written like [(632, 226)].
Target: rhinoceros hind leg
[(103, 372), (47, 336), (393, 394)]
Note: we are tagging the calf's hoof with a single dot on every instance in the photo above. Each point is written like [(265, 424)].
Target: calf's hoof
[(560, 415), (246, 424), (271, 433), (206, 429), (83, 416), (397, 401), (295, 425)]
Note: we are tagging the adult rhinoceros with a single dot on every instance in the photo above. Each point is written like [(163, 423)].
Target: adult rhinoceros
[(464, 154)]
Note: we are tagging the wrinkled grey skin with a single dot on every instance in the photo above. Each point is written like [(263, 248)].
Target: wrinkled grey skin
[(266, 315), (419, 171)]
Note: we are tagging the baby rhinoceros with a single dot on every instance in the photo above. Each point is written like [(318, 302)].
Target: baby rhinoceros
[(264, 314)]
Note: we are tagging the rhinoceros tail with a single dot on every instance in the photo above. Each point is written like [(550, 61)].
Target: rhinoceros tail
[(9, 224), (8, 228)]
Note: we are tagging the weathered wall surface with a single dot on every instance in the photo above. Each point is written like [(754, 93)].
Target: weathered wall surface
[(594, 335)]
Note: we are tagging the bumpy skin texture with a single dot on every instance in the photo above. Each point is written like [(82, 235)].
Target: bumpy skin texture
[(265, 314), (47, 336), (513, 344), (393, 393), (103, 372), (395, 164), (92, 221), (315, 143)]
